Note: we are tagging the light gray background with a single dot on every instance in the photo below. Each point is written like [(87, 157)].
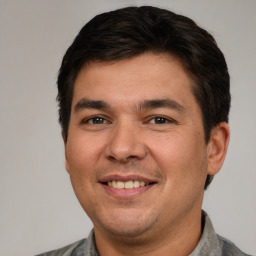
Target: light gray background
[(38, 208)]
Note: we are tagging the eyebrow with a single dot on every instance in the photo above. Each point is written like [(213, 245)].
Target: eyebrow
[(90, 104), (161, 103), (144, 105)]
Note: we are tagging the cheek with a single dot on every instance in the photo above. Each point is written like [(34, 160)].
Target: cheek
[(83, 152), (182, 159), (82, 158), (168, 150)]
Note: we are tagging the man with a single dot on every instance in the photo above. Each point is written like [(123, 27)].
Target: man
[(143, 104)]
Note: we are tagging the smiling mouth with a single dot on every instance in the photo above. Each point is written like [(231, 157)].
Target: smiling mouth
[(128, 184)]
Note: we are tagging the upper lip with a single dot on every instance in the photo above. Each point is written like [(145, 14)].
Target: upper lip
[(125, 178)]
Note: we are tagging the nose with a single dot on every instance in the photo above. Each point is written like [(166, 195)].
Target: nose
[(125, 144)]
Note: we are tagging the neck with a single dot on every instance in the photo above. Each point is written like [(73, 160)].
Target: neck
[(180, 240)]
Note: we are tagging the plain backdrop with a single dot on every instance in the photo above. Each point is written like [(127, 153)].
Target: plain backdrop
[(39, 210)]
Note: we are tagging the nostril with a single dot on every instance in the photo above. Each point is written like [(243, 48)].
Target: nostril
[(111, 158), (131, 157)]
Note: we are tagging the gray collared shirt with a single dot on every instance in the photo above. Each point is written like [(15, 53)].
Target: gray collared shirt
[(210, 244)]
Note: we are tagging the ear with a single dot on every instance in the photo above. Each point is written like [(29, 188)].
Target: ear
[(65, 140), (217, 147)]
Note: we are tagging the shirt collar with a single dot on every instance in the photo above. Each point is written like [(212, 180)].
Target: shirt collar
[(209, 243), (90, 246)]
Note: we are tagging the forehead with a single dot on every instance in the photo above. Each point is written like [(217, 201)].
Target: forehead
[(145, 76)]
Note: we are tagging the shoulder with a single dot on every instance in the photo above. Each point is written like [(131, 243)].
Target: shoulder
[(67, 250), (229, 248), (80, 248)]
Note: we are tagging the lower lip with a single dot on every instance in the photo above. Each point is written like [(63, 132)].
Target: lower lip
[(126, 193)]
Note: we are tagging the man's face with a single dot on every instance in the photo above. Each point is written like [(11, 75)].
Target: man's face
[(136, 124)]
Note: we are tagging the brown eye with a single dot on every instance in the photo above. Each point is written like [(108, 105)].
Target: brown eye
[(159, 120), (96, 120)]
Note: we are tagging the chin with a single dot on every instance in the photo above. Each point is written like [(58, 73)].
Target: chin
[(127, 226)]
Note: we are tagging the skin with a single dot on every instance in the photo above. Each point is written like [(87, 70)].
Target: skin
[(114, 134)]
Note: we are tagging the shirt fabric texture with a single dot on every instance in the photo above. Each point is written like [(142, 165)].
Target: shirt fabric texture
[(210, 244)]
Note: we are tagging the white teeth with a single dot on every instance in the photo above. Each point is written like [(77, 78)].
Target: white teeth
[(114, 183), (136, 184), (119, 184), (142, 183), (127, 184)]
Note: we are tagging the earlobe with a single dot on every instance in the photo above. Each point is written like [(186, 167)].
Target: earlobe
[(217, 147)]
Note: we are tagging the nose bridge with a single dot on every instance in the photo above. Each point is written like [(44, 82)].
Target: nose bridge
[(125, 142)]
